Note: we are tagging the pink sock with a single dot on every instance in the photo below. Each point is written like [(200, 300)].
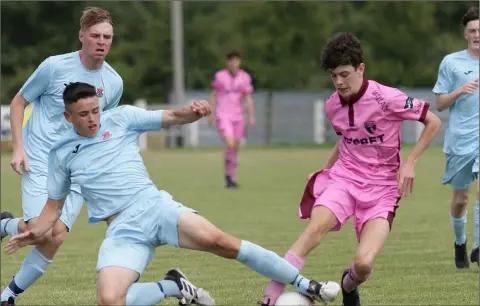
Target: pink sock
[(275, 289), (228, 159), (234, 165)]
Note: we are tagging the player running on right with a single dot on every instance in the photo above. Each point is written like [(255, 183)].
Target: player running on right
[(457, 90), (364, 177)]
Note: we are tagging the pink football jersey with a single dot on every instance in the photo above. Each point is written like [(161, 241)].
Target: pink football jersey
[(369, 126), (230, 90)]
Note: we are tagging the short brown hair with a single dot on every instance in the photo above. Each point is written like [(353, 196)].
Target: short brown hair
[(233, 53), (342, 50), (470, 15), (94, 15)]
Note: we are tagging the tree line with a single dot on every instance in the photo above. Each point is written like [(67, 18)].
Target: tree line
[(404, 42)]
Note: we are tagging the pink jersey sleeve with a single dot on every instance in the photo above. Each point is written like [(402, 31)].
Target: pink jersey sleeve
[(403, 107), (247, 86), (216, 81), (328, 112)]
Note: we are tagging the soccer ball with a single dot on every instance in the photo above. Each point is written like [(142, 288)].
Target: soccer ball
[(293, 299)]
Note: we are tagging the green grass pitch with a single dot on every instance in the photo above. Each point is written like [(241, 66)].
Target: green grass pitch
[(415, 268)]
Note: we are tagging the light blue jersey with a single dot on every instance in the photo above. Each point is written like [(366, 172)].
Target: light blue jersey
[(461, 135), (108, 167), (45, 88)]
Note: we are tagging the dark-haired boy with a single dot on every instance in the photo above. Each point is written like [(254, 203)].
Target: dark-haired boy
[(363, 177)]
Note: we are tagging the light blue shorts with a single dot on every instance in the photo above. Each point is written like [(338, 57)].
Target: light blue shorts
[(461, 170), (35, 195), (132, 237)]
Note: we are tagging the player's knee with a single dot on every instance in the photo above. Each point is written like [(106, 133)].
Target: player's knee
[(460, 198), (316, 231), (363, 264), (58, 238), (110, 296)]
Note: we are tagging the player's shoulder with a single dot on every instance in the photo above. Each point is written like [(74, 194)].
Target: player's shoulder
[(332, 100), (220, 73), (119, 114), (112, 74), (455, 56), (378, 89), (245, 74), (62, 146), (60, 60)]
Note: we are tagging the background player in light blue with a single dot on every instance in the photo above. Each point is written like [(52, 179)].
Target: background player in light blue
[(31, 146), (102, 156), (457, 90)]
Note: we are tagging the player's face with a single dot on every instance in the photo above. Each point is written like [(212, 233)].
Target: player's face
[(347, 79), (234, 63), (85, 116), (97, 40), (472, 35)]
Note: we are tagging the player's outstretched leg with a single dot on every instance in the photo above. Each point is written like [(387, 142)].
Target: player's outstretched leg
[(322, 220), (116, 287), (197, 233)]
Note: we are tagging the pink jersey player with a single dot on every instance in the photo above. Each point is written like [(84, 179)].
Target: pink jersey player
[(231, 87), (364, 176)]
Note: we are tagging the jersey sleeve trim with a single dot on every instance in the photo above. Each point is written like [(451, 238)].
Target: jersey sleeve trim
[(423, 115)]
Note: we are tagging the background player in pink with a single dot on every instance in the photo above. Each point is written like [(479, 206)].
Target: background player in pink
[(364, 177), (231, 87)]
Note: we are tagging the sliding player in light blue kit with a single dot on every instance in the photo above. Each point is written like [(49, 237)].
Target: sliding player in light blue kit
[(102, 156), (457, 90), (31, 146)]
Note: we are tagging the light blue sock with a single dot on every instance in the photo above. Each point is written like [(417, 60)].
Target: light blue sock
[(152, 293), (271, 265), (32, 268), (476, 227), (9, 227), (458, 225)]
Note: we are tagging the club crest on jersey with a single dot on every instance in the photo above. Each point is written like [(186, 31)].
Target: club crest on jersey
[(370, 126), (106, 135), (408, 103), (99, 92)]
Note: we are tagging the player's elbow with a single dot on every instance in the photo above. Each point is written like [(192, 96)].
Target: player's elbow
[(18, 101), (440, 103), (433, 122)]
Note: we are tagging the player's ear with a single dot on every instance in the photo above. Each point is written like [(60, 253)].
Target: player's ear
[(67, 116), (80, 36), (361, 68)]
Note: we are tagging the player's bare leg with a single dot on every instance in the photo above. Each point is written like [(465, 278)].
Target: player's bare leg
[(322, 220), (372, 238), (197, 233), (231, 161), (36, 262), (116, 286), (458, 212)]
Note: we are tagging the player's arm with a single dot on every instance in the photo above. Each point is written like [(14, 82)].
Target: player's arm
[(186, 114), (213, 102), (248, 90), (142, 120), (432, 127), (36, 85), (58, 187), (445, 94)]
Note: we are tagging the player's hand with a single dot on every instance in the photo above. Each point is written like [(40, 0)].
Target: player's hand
[(19, 241), (406, 176), (469, 87), (251, 121), (201, 108), (211, 120), (19, 161)]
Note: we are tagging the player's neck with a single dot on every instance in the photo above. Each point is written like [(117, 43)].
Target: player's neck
[(474, 53), (89, 63), (233, 72)]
